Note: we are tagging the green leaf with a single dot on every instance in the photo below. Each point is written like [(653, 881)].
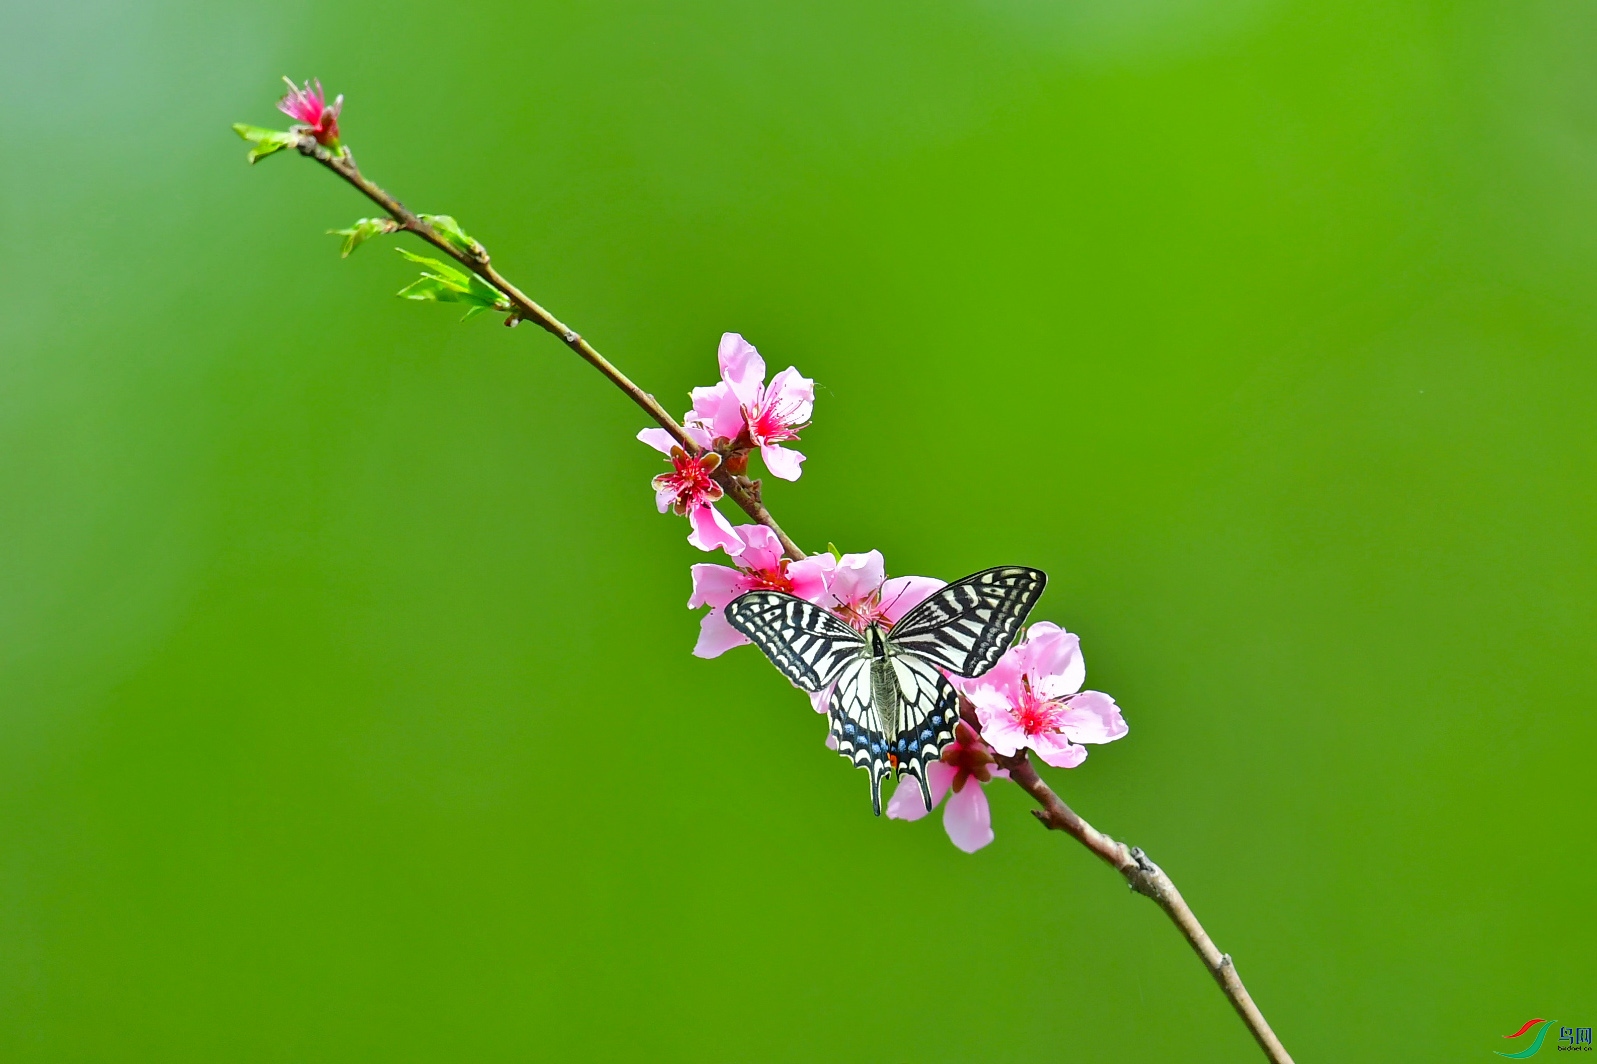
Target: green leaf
[(442, 283), (362, 231), (255, 134), (266, 141), (831, 548), (450, 230), (443, 269), (470, 283), (428, 288)]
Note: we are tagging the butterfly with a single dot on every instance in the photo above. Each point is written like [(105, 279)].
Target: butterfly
[(890, 706)]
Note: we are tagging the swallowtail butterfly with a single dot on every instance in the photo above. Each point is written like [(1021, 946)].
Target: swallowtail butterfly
[(890, 705)]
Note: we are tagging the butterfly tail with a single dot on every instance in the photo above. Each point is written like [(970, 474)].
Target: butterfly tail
[(877, 772)]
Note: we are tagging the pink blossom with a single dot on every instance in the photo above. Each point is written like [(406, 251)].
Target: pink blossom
[(761, 565), (859, 593), (965, 765), (745, 410), (1033, 697), (690, 489), (309, 105)]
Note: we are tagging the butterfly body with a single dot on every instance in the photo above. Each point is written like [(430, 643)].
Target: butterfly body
[(889, 702), (884, 680)]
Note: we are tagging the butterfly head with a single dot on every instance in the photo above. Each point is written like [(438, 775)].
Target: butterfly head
[(876, 641)]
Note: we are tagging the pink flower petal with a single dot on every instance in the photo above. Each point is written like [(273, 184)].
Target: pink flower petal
[(809, 577), (1093, 717), (906, 803), (659, 439), (831, 742), (967, 819), (1039, 629), (1056, 750), (742, 368), (782, 462), (903, 593), (1003, 678), (663, 441), (761, 549), (1052, 658), (717, 411), (716, 636), (793, 395), (712, 531), (856, 577), (998, 725), (818, 703), (664, 497), (716, 585)]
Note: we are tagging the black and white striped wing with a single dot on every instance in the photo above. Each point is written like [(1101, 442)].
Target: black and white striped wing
[(966, 626), (806, 643), (928, 706)]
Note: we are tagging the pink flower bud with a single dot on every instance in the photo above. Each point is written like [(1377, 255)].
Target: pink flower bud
[(309, 107)]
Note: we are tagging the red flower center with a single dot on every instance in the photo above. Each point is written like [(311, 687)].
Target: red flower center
[(692, 480), (772, 579), (773, 422), (863, 613), (1037, 716)]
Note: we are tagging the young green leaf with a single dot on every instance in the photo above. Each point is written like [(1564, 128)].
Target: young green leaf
[(450, 230), (428, 288), (442, 283), (362, 231), (469, 283), (266, 141)]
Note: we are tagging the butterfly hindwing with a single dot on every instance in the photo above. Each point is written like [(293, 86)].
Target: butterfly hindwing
[(855, 726), (806, 643), (966, 626), (928, 709)]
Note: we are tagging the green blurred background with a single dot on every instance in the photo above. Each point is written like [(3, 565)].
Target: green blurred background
[(346, 708)]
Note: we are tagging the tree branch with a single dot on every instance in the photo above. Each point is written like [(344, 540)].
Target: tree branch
[(1148, 879), (740, 489), (1143, 875)]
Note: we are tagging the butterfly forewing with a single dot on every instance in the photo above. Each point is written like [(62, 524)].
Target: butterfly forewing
[(966, 626), (805, 642)]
